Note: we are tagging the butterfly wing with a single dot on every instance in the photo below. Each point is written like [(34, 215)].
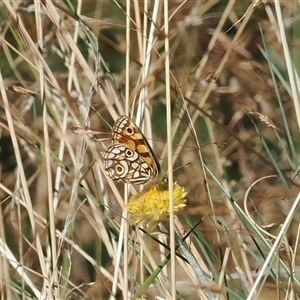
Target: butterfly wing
[(126, 165), (125, 132)]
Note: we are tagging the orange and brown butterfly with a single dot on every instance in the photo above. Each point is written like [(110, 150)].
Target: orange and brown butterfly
[(130, 158)]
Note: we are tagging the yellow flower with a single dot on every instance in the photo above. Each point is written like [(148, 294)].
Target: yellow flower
[(153, 206)]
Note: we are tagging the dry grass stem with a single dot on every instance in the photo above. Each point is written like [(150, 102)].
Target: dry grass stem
[(213, 87)]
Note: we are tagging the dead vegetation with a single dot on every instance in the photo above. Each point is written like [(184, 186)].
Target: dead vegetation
[(67, 72)]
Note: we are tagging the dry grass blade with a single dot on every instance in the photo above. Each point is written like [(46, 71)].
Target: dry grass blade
[(212, 85)]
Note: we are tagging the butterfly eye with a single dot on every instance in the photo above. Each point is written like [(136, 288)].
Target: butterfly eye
[(119, 169), (129, 130), (129, 153)]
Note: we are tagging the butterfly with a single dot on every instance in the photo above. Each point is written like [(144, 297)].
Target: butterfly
[(130, 158)]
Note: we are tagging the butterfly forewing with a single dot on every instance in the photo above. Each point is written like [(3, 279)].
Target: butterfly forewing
[(130, 159)]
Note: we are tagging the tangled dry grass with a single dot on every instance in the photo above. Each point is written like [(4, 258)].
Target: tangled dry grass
[(228, 92)]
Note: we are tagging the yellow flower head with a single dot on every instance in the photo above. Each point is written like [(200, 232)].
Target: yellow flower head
[(153, 206)]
